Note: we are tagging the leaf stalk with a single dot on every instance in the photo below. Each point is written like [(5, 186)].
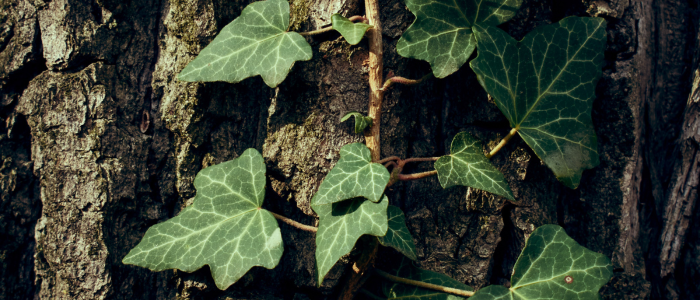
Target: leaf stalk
[(426, 285), (330, 28), (294, 224), (316, 32), (407, 177), (502, 143)]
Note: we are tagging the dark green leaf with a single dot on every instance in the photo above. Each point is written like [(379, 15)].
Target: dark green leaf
[(255, 43), (224, 228), (352, 32), (397, 236), (545, 85), (407, 270), (341, 224), (468, 166), (442, 31), (353, 176), (553, 266), (361, 122)]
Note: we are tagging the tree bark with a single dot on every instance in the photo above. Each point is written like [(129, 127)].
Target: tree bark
[(82, 175)]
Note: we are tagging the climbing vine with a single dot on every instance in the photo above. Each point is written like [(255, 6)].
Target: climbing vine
[(544, 85)]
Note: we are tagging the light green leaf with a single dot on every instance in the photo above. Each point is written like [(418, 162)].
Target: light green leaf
[(407, 270), (545, 85), (255, 43), (397, 236), (442, 31), (353, 176), (549, 259), (361, 122), (224, 228), (468, 166), (341, 224), (352, 32)]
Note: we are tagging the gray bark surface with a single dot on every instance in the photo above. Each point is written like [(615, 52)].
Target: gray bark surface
[(101, 141)]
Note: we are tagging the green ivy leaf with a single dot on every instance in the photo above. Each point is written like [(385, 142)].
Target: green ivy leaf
[(550, 258), (442, 31), (407, 270), (361, 122), (224, 228), (352, 32), (341, 224), (353, 176), (545, 85), (468, 166), (397, 236), (255, 43)]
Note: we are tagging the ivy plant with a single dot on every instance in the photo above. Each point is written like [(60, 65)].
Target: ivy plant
[(544, 85), (442, 33), (224, 228), (255, 43), (553, 266)]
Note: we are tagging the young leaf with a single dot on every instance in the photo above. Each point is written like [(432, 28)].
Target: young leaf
[(341, 224), (442, 31), (255, 43), (361, 122), (468, 166), (353, 176), (553, 266), (397, 236), (407, 270), (352, 32), (545, 85), (224, 228)]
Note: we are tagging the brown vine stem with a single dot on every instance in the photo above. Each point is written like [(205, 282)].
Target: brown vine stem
[(357, 18), (420, 159), (359, 271), (406, 177), (372, 138), (376, 69), (398, 79), (431, 286), (388, 159), (294, 223), (503, 142)]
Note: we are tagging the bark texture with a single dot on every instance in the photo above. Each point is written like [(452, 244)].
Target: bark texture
[(101, 141)]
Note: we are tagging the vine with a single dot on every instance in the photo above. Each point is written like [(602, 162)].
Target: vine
[(543, 84)]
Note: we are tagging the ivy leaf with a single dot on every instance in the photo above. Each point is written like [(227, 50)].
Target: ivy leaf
[(397, 236), (545, 85), (361, 122), (468, 166), (442, 31), (353, 176), (407, 270), (255, 43), (341, 224), (553, 266), (352, 32), (224, 228)]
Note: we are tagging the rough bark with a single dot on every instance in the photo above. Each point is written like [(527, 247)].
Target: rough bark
[(83, 176)]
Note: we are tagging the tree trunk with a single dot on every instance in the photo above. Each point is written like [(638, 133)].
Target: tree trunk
[(101, 141)]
